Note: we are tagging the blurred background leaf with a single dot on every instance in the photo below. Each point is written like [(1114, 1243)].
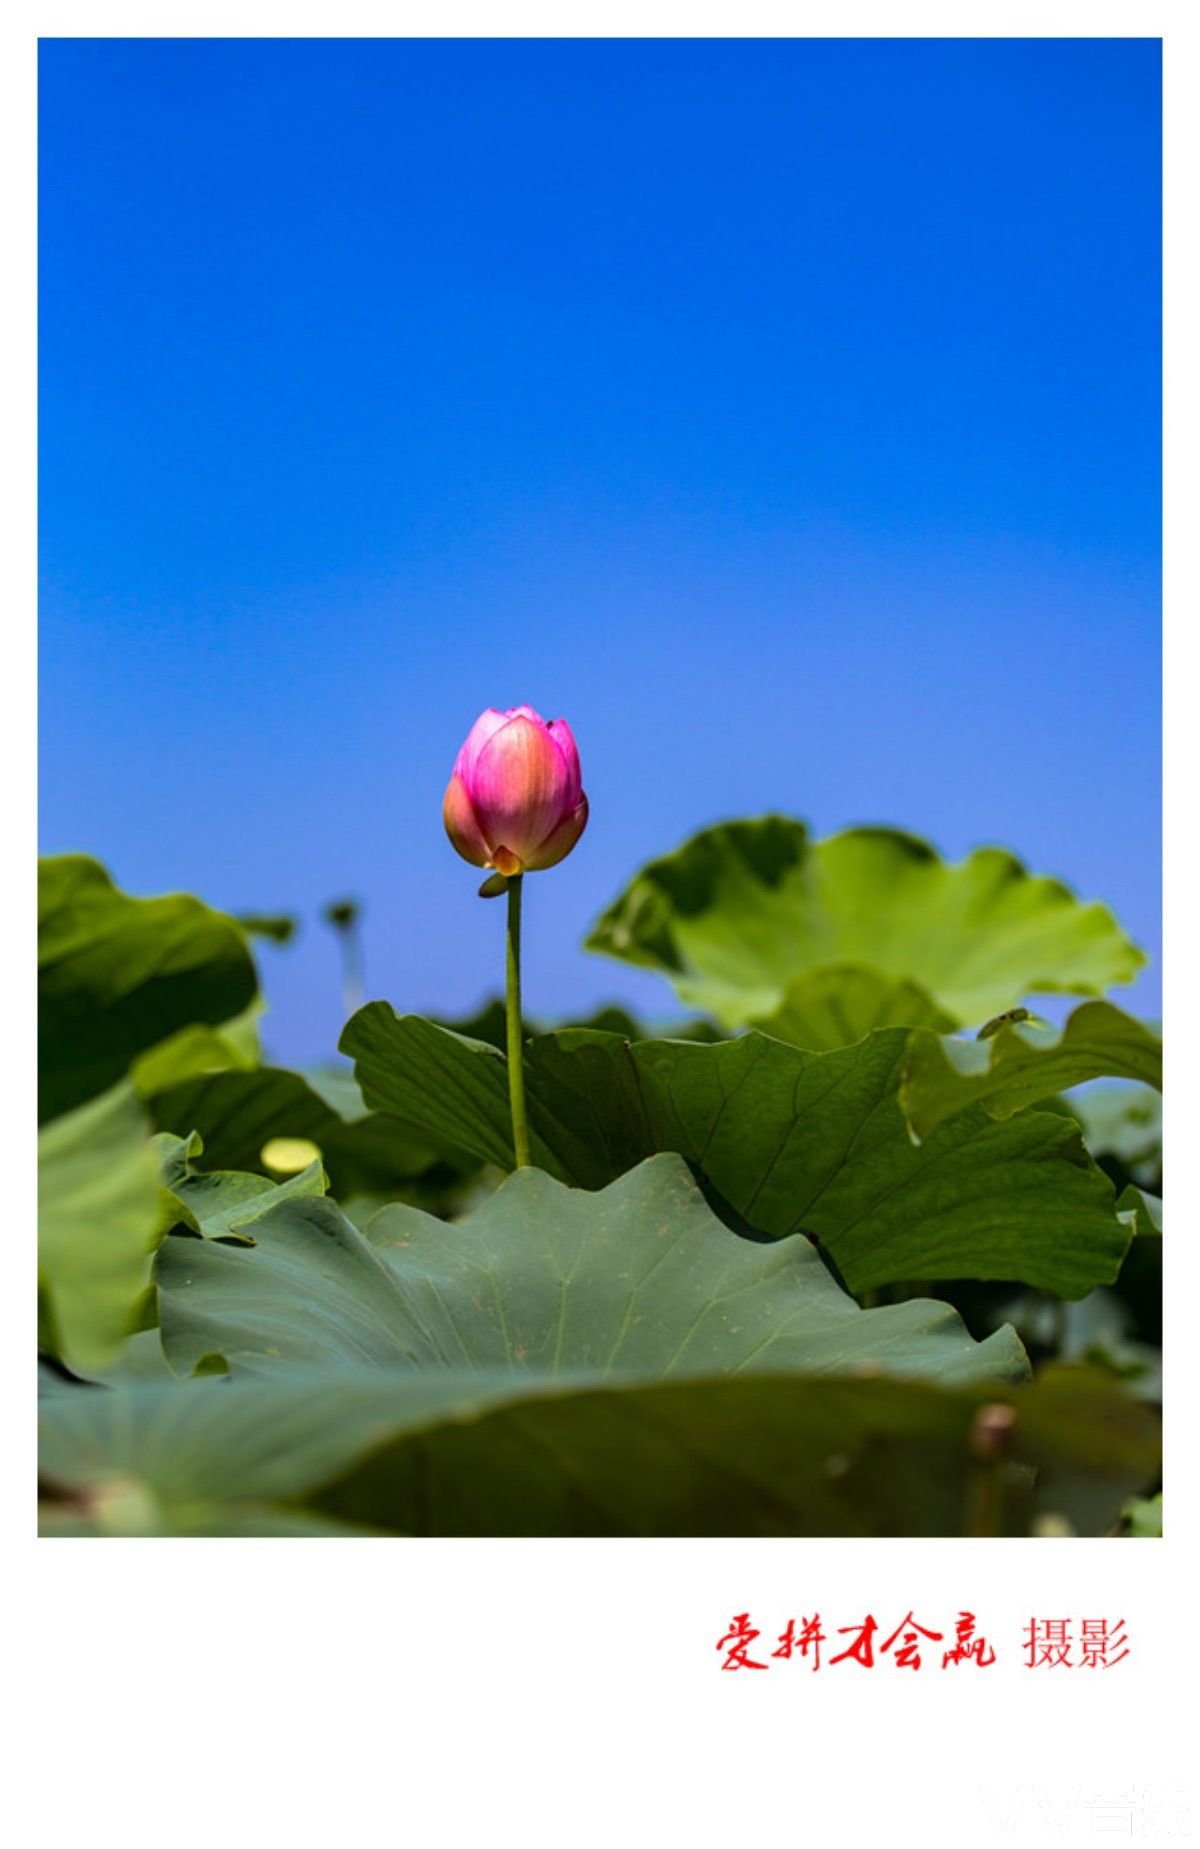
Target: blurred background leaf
[(118, 975), (275, 927), (479, 1454), (742, 911), (98, 1224)]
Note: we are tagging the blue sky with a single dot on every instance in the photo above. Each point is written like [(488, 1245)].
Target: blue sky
[(784, 414)]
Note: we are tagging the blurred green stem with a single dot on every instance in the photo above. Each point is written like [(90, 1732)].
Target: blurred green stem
[(516, 1070), (984, 1499), (353, 984)]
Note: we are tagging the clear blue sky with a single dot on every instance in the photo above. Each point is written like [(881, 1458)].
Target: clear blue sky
[(785, 415)]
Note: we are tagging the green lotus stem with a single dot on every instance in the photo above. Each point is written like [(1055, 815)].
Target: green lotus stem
[(515, 805), (984, 1500), (512, 1006), (989, 1443)]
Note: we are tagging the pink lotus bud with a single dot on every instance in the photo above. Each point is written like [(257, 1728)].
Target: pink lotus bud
[(515, 801)]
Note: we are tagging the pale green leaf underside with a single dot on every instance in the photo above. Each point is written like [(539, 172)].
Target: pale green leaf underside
[(741, 911), (794, 1142), (841, 1004)]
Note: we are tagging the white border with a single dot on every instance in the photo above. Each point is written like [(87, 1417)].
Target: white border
[(247, 1692)]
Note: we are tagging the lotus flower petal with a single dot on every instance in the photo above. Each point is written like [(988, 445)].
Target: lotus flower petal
[(515, 801), (488, 722), (462, 826), (564, 738), (521, 787), (561, 840)]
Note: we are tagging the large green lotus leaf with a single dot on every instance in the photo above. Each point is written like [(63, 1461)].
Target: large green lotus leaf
[(466, 1453), (741, 911), (641, 1279), (794, 1142), (838, 1005), (116, 975), (98, 1224), (140, 1360), (1023, 1062)]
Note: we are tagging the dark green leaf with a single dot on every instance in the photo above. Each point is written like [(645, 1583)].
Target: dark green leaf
[(794, 1142), (117, 975)]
